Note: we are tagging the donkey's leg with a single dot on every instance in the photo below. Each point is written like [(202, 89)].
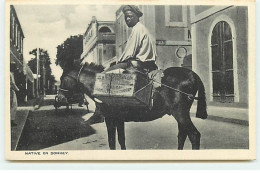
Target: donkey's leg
[(185, 123), (111, 132), (121, 133), (167, 100), (194, 136), (181, 137)]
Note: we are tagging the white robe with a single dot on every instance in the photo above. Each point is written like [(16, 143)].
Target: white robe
[(139, 45), (13, 98)]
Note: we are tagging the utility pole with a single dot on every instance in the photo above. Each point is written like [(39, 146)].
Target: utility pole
[(43, 77), (37, 78)]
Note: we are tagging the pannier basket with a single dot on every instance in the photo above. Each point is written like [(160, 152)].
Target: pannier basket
[(123, 89)]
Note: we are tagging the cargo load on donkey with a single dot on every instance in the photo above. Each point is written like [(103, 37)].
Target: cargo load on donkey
[(123, 89)]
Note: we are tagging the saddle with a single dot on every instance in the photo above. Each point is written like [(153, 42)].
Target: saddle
[(133, 66)]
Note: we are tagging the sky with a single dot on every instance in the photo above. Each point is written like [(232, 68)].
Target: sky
[(47, 26)]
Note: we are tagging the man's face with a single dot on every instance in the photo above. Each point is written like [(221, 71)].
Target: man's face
[(131, 18)]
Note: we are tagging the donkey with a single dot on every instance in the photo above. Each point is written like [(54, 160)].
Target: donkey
[(175, 97)]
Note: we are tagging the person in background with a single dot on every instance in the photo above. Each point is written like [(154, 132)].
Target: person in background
[(13, 97)]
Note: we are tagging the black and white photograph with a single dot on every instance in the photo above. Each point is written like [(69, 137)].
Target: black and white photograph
[(155, 80)]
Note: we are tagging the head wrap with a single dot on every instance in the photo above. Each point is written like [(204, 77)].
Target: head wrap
[(134, 9)]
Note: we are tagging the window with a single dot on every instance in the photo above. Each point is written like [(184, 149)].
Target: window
[(19, 39), (11, 27), (21, 45), (16, 35), (90, 33), (222, 63), (104, 29), (176, 16)]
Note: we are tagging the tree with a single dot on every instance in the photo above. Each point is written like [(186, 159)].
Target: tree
[(44, 70), (69, 52)]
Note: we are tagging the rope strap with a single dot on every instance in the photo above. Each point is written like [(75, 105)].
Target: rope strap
[(190, 96), (63, 89)]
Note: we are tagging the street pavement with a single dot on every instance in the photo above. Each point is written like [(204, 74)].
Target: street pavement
[(162, 134), (217, 133), (21, 116)]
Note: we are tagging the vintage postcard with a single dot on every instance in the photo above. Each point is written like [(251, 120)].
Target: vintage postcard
[(130, 80)]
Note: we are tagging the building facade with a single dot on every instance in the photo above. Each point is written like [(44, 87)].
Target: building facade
[(16, 53), (23, 74), (170, 28), (210, 40), (16, 39), (99, 43), (220, 51)]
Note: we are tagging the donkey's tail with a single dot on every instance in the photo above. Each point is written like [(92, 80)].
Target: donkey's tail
[(202, 105)]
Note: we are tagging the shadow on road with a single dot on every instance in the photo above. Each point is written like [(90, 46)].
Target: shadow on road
[(44, 128)]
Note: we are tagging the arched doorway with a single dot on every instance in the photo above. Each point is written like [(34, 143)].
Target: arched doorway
[(222, 63)]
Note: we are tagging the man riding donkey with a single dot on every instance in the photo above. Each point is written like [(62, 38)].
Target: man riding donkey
[(139, 53)]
